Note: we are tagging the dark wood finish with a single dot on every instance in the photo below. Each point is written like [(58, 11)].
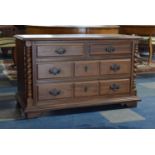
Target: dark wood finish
[(29, 29), (142, 30), (102, 30), (131, 104), (11, 30), (50, 82), (8, 30)]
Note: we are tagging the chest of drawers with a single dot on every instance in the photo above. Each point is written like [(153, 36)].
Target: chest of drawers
[(70, 71)]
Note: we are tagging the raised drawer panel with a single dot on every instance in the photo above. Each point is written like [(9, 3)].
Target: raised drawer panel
[(115, 66), (60, 50), (55, 70), (111, 87), (55, 91), (86, 89), (108, 48), (86, 68)]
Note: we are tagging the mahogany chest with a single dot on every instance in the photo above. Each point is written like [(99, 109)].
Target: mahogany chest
[(70, 71)]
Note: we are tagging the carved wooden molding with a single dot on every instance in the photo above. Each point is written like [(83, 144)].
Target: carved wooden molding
[(28, 69), (135, 66)]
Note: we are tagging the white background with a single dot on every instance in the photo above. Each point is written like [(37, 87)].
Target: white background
[(77, 12)]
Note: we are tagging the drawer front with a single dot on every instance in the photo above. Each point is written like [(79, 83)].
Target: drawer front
[(115, 66), (108, 48), (86, 68), (86, 89), (55, 70), (112, 87), (60, 50), (55, 91)]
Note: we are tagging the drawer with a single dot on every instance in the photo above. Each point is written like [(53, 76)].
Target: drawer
[(55, 70), (108, 48), (121, 86), (115, 66), (55, 91), (86, 68), (86, 89), (60, 49)]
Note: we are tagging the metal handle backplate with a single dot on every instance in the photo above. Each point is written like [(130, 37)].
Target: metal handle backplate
[(55, 92), (110, 49), (115, 67), (114, 87), (54, 71), (60, 51)]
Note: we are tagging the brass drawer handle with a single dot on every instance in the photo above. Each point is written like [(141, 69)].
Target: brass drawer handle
[(55, 92), (115, 67), (54, 71), (110, 49), (60, 51), (114, 87)]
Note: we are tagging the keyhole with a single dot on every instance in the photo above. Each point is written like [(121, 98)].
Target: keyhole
[(86, 68), (85, 89)]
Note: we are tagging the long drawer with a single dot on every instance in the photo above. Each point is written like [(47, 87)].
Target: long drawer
[(60, 50), (83, 89), (83, 68)]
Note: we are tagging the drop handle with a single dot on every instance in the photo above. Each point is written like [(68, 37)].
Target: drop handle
[(109, 49), (60, 51), (114, 87), (54, 71), (55, 92), (115, 67)]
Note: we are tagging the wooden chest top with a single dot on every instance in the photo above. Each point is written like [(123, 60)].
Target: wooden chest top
[(76, 37)]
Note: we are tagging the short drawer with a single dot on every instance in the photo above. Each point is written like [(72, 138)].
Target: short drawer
[(86, 68), (86, 89), (60, 49), (115, 66), (108, 48), (55, 91), (121, 86), (55, 70)]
